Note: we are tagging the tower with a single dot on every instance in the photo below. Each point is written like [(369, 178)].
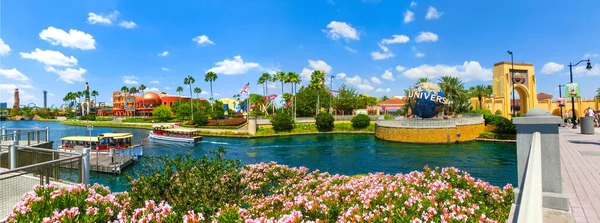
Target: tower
[(524, 84), (16, 100), (45, 98)]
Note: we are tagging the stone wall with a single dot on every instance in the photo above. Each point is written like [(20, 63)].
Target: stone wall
[(459, 133)]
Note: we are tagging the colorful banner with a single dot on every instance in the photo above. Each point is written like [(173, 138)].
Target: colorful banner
[(561, 102), (572, 90), (130, 104)]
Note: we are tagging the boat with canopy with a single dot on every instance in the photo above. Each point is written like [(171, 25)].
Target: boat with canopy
[(170, 133), (119, 144)]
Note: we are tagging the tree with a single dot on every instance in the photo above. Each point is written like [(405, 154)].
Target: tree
[(280, 76), (598, 94), (197, 90), (346, 99), (142, 88), (480, 91), (218, 110), (385, 98), (179, 90), (316, 82), (306, 100), (94, 94), (264, 80), (294, 79), (422, 80), (361, 121), (324, 121), (282, 122), (189, 80), (364, 100), (453, 89), (163, 113), (200, 118), (125, 90), (210, 77), (183, 111)]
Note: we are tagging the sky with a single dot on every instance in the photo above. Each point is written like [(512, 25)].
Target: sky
[(379, 47)]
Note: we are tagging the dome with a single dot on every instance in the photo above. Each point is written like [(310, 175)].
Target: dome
[(150, 98)]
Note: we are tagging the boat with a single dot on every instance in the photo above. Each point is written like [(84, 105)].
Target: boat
[(173, 134), (118, 144)]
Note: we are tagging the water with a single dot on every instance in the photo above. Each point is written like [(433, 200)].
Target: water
[(346, 154)]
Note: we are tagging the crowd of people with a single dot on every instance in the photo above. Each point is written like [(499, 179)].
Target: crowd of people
[(588, 112)]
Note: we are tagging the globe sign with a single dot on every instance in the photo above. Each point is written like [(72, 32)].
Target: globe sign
[(426, 100)]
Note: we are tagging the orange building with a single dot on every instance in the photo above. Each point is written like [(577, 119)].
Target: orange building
[(130, 105)]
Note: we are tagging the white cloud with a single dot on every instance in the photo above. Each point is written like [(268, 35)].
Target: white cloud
[(382, 55), (153, 89), (24, 95), (552, 67), (204, 93), (319, 65), (340, 76), (413, 4), (586, 56), (387, 75), (382, 90), (68, 75), (365, 87), (233, 67), (203, 40), (305, 74), (426, 37), (131, 79), (359, 83), (164, 54), (154, 81), (350, 49), (433, 13), (94, 18), (341, 30), (127, 24), (165, 69), (167, 88), (51, 94), (595, 71), (396, 39), (28, 86), (400, 68), (375, 80), (73, 39), (50, 58), (13, 74), (4, 48), (409, 16), (468, 71), (272, 85), (419, 54)]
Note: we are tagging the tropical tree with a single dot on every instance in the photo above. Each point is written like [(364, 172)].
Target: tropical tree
[(179, 90), (280, 76), (197, 90), (94, 94), (79, 95), (264, 80), (294, 79), (124, 89), (422, 80), (385, 98), (85, 93), (453, 89), (480, 91), (189, 80), (346, 99), (598, 94), (210, 77), (316, 82), (133, 90)]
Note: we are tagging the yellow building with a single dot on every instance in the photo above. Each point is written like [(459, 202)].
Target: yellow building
[(525, 87), (229, 102)]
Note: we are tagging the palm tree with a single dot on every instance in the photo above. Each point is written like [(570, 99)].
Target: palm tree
[(94, 94), (189, 80), (264, 80), (598, 94), (453, 88), (179, 90), (422, 80), (197, 90), (142, 88), (210, 77), (280, 76), (294, 79), (316, 82), (79, 95), (132, 90), (124, 89), (480, 91)]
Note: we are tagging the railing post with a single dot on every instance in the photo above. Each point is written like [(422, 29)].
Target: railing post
[(12, 152), (4, 136), (38, 136), (539, 120), (29, 138), (85, 166), (47, 135)]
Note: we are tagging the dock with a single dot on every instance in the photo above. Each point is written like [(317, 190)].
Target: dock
[(105, 163)]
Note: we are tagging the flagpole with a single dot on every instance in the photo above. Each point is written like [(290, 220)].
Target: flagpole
[(248, 103)]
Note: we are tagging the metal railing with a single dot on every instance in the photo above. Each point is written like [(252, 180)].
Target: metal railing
[(529, 202), (31, 135)]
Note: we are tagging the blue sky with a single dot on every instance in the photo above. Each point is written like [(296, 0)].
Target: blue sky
[(378, 47)]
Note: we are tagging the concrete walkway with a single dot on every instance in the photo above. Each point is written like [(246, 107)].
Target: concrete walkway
[(580, 157)]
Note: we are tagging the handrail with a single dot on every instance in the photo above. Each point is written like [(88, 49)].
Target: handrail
[(530, 201), (47, 150), (40, 164)]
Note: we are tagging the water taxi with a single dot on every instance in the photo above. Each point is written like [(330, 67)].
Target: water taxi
[(170, 133), (119, 144)]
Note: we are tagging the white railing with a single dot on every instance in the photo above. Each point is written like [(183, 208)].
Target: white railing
[(530, 199)]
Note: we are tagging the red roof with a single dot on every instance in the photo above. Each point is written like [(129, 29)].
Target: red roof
[(543, 96), (392, 101)]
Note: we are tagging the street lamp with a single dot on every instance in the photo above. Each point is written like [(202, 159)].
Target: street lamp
[(512, 80), (330, 92), (588, 67), (560, 96)]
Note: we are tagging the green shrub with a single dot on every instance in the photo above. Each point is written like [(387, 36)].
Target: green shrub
[(498, 112), (388, 117), (104, 119), (162, 113), (361, 121), (282, 122), (501, 136), (187, 183), (200, 118), (324, 121), (503, 125), (89, 117)]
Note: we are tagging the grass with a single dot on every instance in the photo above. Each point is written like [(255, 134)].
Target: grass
[(147, 120), (107, 124), (307, 128), (499, 136), (214, 127)]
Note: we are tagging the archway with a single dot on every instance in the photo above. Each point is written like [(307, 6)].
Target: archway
[(556, 112), (523, 102)]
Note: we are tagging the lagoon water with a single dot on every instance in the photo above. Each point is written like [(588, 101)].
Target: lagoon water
[(346, 154)]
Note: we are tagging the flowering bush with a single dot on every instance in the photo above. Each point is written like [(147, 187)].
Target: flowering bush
[(277, 193)]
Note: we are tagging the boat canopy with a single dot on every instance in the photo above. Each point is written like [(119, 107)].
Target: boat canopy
[(80, 138), (116, 135), (181, 130)]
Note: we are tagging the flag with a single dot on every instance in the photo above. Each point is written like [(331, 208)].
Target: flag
[(245, 89)]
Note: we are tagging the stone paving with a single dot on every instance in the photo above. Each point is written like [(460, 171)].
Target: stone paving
[(580, 158)]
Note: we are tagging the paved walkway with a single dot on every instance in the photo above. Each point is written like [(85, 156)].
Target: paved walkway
[(580, 157)]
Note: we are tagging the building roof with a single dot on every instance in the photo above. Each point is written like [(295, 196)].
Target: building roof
[(392, 102), (543, 96), (516, 63)]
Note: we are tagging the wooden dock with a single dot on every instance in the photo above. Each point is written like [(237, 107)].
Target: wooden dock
[(104, 163)]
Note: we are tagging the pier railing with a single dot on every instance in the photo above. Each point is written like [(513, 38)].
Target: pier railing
[(29, 136), (529, 202)]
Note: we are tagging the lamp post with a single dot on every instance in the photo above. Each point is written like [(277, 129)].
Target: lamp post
[(560, 96), (330, 92), (512, 81), (588, 67)]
